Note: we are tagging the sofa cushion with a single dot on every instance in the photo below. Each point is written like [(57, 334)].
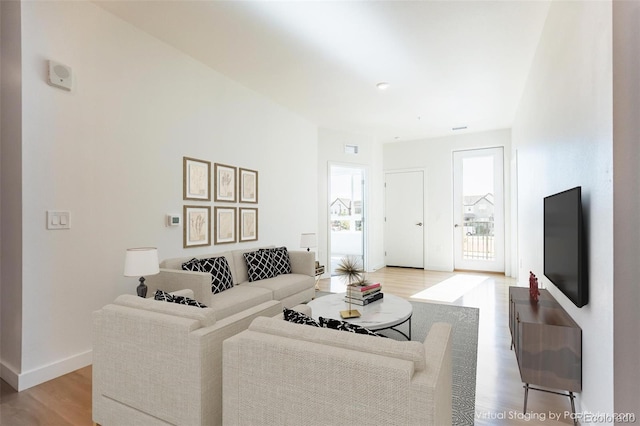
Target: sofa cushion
[(206, 316), (284, 286), (176, 263), (218, 267), (163, 296), (280, 260), (240, 273), (259, 266), (237, 299), (346, 326), (299, 318), (192, 265)]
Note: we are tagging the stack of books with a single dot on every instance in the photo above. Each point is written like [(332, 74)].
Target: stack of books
[(363, 295)]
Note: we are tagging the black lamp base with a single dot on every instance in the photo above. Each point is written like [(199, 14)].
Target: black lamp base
[(142, 288)]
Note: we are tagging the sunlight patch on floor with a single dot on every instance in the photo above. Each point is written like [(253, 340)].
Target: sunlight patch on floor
[(451, 289)]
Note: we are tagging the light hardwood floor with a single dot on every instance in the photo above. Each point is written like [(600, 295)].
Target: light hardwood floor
[(499, 393)]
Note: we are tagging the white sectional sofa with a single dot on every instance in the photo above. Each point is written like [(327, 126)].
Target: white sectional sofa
[(290, 289), (335, 377)]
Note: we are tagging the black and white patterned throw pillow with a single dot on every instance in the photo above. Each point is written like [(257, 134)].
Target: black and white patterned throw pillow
[(259, 266), (345, 326), (192, 265), (218, 267), (299, 318), (182, 300), (280, 260)]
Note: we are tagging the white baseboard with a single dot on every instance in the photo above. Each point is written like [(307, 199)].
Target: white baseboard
[(376, 267), (28, 379), (439, 268), (9, 375)]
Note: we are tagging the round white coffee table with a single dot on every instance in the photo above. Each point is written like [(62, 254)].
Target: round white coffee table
[(387, 313)]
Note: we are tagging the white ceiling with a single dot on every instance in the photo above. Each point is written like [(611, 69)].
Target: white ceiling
[(448, 63)]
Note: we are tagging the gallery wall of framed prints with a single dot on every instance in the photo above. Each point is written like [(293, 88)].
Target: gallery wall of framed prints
[(231, 185)]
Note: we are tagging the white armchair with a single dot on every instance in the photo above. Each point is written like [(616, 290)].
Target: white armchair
[(334, 377), (159, 363)]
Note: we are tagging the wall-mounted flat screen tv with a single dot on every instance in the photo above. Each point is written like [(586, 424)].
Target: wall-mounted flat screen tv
[(565, 262)]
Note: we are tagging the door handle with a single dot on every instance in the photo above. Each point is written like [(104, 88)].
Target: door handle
[(456, 225), (419, 223)]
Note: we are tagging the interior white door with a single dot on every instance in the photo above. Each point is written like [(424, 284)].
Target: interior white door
[(404, 219), (478, 208)]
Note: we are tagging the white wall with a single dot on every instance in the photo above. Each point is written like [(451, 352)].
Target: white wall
[(331, 151), (563, 137), (626, 202), (10, 200), (111, 153), (435, 156)]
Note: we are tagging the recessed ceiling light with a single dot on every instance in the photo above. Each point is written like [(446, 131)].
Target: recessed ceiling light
[(383, 85)]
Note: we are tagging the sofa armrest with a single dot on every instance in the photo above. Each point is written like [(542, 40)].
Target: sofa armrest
[(437, 346), (303, 309), (171, 280), (303, 262), (210, 342)]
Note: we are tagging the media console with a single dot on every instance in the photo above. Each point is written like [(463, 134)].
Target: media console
[(547, 344)]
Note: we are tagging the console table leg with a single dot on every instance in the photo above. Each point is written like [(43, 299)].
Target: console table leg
[(573, 408), (570, 395)]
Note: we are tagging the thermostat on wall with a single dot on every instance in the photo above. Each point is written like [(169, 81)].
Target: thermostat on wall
[(174, 220)]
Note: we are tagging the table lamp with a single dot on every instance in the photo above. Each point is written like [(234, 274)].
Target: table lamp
[(141, 261), (308, 240)]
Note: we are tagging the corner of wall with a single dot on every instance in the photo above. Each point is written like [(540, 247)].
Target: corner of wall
[(11, 192)]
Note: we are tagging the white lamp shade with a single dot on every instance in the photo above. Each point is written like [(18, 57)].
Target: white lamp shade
[(308, 240), (141, 261)]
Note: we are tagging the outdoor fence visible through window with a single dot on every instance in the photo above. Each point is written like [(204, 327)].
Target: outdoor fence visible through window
[(478, 242)]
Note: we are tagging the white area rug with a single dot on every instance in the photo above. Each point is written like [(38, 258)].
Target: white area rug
[(451, 289)]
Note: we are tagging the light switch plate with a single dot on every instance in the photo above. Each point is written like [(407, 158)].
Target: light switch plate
[(58, 219)]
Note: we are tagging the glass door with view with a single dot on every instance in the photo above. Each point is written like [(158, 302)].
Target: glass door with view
[(478, 208), (346, 214)]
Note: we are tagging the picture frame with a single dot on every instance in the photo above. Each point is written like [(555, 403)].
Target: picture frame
[(248, 186), (225, 183), (196, 178), (225, 225), (248, 224), (197, 226)]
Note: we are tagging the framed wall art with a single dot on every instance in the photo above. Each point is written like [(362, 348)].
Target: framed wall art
[(197, 226), (196, 177), (248, 186), (225, 225), (248, 224), (225, 183)]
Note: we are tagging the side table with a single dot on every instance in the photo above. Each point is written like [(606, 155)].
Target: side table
[(319, 272)]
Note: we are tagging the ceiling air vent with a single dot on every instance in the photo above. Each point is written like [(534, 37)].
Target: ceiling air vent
[(351, 149)]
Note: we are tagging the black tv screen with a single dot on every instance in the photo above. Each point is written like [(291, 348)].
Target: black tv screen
[(564, 250)]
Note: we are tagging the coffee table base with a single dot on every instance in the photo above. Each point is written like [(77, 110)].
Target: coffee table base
[(393, 327)]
